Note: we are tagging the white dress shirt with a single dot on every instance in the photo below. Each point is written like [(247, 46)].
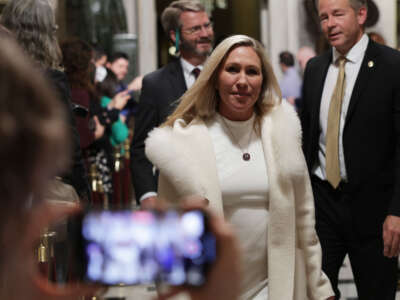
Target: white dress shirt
[(187, 68), (352, 67)]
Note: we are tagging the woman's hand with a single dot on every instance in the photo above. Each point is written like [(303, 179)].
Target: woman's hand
[(149, 203), (136, 84), (99, 129), (119, 101)]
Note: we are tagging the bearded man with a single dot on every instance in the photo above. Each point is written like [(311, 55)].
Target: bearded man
[(188, 26)]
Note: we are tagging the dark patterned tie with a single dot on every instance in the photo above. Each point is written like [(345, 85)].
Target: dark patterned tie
[(196, 72)]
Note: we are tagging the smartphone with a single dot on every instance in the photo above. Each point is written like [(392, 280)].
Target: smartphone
[(139, 247), (79, 110)]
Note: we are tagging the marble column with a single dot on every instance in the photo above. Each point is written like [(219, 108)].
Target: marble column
[(147, 35)]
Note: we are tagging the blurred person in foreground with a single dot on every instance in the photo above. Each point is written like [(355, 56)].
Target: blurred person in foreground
[(233, 141), (23, 178), (189, 28), (32, 23), (351, 125), (34, 148)]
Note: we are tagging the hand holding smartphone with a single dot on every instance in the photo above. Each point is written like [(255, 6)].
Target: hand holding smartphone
[(138, 247), (223, 280)]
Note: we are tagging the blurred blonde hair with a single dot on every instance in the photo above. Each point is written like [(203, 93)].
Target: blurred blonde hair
[(201, 100)]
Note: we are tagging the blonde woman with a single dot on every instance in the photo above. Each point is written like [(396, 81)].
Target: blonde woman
[(233, 142)]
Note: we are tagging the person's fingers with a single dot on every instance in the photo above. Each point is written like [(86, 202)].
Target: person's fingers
[(125, 98), (161, 204), (120, 99), (149, 203), (194, 202), (123, 93), (387, 242), (394, 247)]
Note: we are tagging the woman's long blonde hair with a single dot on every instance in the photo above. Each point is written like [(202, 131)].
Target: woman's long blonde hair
[(201, 100)]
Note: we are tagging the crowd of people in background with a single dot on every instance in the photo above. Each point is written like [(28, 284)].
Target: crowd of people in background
[(215, 124)]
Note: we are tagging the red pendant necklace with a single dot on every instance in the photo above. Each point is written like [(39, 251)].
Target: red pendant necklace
[(245, 152)]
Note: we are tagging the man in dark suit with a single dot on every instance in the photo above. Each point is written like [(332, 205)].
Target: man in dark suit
[(351, 132), (189, 28)]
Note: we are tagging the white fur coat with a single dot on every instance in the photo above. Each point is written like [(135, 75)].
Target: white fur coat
[(186, 160)]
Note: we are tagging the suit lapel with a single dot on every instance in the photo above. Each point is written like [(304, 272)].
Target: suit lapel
[(318, 82), (177, 83), (363, 77), (176, 78)]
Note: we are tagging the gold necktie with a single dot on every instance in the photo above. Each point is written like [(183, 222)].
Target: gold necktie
[(332, 132)]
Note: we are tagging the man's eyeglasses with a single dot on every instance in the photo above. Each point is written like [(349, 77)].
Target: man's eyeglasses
[(197, 29)]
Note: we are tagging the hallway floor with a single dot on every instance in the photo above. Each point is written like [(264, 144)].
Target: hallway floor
[(346, 287)]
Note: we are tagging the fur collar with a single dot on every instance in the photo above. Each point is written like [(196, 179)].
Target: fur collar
[(283, 127)]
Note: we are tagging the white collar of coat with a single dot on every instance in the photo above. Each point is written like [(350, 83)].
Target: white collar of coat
[(182, 152)]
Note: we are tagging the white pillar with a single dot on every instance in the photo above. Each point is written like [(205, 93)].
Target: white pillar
[(131, 15), (264, 23), (387, 24), (284, 29), (147, 35)]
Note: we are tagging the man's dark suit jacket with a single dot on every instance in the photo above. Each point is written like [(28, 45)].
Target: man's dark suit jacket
[(371, 136), (160, 91)]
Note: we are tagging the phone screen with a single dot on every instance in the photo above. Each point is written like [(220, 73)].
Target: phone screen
[(137, 247)]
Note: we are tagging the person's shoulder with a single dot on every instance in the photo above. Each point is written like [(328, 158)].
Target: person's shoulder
[(283, 115), (319, 59), (391, 55), (169, 138), (159, 142), (294, 74), (59, 81), (161, 73), (56, 76), (179, 127), (286, 135), (284, 110)]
